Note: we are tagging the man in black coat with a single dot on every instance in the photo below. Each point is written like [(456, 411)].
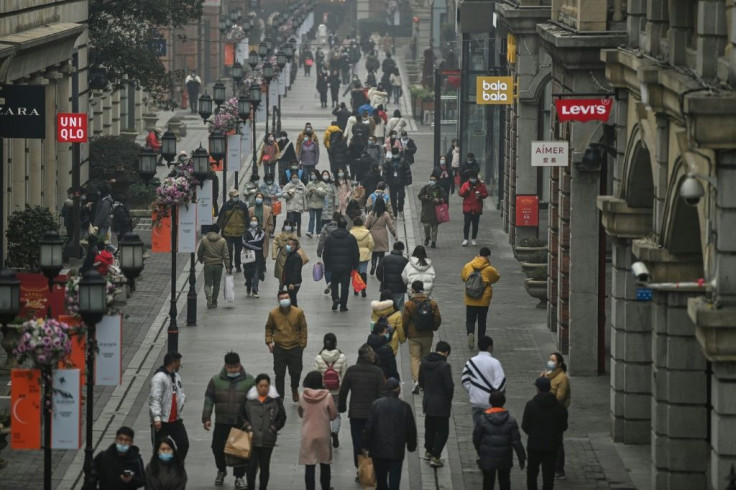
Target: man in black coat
[(342, 114), (435, 378), (292, 275), (119, 467), (389, 429), (389, 273), (468, 167), (544, 421), (398, 176), (341, 256)]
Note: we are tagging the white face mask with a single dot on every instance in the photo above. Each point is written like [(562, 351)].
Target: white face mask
[(254, 224), (341, 175), (287, 228), (551, 365), (326, 178)]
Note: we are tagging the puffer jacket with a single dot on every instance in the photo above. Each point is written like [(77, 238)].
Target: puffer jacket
[(409, 309), (435, 378), (343, 192), (341, 254), (488, 273), (330, 199), (264, 418), (385, 358), (365, 241), (270, 192), (213, 250), (340, 152), (427, 196), (471, 203), (278, 252), (163, 386), (108, 465), (365, 383), (560, 386), (389, 272), (494, 437), (316, 192), (292, 269), (227, 396), (327, 229), (233, 218), (390, 428), (544, 420), (250, 189), (414, 271), (309, 152), (393, 316), (335, 358), (295, 197), (328, 133)]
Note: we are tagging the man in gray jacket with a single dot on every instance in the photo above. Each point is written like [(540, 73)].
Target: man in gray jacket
[(214, 254), (165, 404)]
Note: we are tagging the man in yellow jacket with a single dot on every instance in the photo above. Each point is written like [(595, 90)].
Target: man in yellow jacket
[(478, 292), (286, 338)]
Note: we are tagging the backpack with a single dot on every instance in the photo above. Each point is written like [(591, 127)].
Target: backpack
[(334, 138), (121, 220), (331, 378), (474, 286), (422, 316)]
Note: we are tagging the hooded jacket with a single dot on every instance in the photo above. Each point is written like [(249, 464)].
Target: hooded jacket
[(414, 271), (317, 409), (488, 273), (393, 316), (331, 357), (227, 396), (471, 203), (408, 313), (494, 437), (233, 218), (328, 133), (545, 419), (365, 383), (389, 272), (109, 465), (435, 378), (264, 418), (341, 254), (389, 428), (212, 250), (385, 357), (365, 241), (163, 387)]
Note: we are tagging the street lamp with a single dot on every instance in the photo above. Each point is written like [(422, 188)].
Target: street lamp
[(130, 251), (254, 95), (281, 63), (269, 44), (9, 298), (205, 106), (218, 93), (243, 108), (168, 146), (51, 261), (217, 143), (267, 70), (147, 164), (237, 74), (235, 14), (262, 50), (253, 59), (200, 162), (222, 25)]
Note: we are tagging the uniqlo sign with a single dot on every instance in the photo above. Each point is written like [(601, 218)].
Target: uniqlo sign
[(71, 128), (583, 110)]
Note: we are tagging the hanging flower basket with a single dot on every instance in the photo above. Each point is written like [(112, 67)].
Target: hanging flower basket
[(178, 189), (44, 342), (71, 294), (227, 117)]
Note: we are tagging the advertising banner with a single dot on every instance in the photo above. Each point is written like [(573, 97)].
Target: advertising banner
[(229, 54), (204, 204), (187, 229), (25, 409), (66, 428), (246, 148), (527, 210), (23, 111), (76, 359), (109, 360), (494, 90), (233, 153), (161, 235), (71, 128), (35, 297), (550, 153), (241, 51), (282, 82), (583, 110)]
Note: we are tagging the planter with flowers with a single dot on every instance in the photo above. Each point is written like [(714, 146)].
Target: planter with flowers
[(178, 189)]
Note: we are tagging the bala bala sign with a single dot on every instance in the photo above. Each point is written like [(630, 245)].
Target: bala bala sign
[(22, 113), (583, 110)]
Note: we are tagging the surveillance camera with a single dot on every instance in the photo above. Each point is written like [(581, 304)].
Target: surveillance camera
[(691, 190), (640, 271)]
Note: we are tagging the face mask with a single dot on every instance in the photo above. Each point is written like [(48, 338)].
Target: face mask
[(443, 162), (313, 178), (122, 448), (235, 199), (308, 130), (432, 183), (295, 180), (387, 335), (165, 457), (471, 161), (372, 142), (269, 182), (326, 178), (551, 365), (285, 303), (341, 175), (259, 200), (233, 375), (287, 228), (83, 197), (254, 224), (288, 247), (271, 139), (473, 181), (404, 140), (282, 138)]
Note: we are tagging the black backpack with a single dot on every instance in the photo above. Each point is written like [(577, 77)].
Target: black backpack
[(360, 134), (334, 136), (121, 220), (422, 316)]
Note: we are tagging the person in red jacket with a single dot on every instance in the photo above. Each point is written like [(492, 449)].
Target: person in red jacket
[(473, 193), (153, 141)]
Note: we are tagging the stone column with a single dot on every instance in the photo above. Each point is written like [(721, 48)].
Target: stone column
[(49, 165), (107, 113), (138, 109), (115, 113), (507, 169), (19, 171), (63, 150), (553, 241), (35, 155), (123, 107), (96, 103)]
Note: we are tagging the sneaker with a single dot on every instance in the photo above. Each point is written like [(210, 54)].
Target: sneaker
[(240, 484), (471, 341), (560, 475), (335, 440), (343, 308), (255, 294), (309, 234), (220, 478), (436, 462), (426, 241), (434, 245), (427, 456), (416, 389), (473, 242), (247, 292), (334, 305), (328, 289), (465, 243)]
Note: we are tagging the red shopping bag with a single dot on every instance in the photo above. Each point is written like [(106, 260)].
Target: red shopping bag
[(457, 180), (442, 212), (358, 282), (276, 207)]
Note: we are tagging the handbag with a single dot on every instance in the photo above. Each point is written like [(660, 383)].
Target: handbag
[(238, 443), (442, 212), (229, 288), (366, 472), (358, 282), (309, 62), (247, 256), (303, 255), (276, 207), (318, 271)]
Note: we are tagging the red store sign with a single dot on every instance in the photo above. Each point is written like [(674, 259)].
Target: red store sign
[(71, 127), (527, 210), (583, 110)]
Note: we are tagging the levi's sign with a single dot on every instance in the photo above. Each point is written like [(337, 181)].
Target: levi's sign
[(550, 153), (494, 90), (583, 110), (71, 127)]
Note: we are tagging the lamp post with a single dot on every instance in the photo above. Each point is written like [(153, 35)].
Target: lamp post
[(9, 302), (92, 307), (237, 75), (262, 50), (281, 63), (267, 70), (253, 59), (168, 146), (200, 162), (205, 106), (147, 164), (254, 94), (218, 93), (217, 152), (173, 331), (243, 114), (130, 251)]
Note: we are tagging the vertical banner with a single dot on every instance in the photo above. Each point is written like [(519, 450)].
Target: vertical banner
[(229, 54), (161, 235), (66, 428), (35, 295), (282, 81), (76, 359), (109, 361), (187, 231), (245, 139), (233, 154), (204, 204), (273, 90), (287, 72), (241, 51), (261, 112), (527, 210), (25, 409)]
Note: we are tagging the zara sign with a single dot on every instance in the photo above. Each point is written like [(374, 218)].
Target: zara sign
[(22, 112)]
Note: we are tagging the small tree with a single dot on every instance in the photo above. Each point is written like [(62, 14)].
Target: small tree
[(25, 230)]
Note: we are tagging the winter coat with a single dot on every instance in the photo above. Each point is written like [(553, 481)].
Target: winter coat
[(392, 145), (292, 269), (471, 203), (398, 124), (377, 97), (270, 192), (488, 273), (249, 193), (379, 228), (435, 378), (330, 199), (287, 330), (494, 437), (270, 149), (455, 163), (353, 210), (264, 418), (213, 249), (414, 271), (342, 116), (227, 396), (377, 154), (445, 179), (169, 477), (322, 84), (406, 317), (328, 228), (397, 172), (307, 150), (294, 195), (385, 357), (153, 142), (287, 152), (233, 218), (266, 224), (372, 197), (393, 316), (279, 252), (316, 192), (389, 272), (340, 153), (328, 133), (560, 386), (482, 375), (408, 150), (544, 420), (109, 465), (103, 212), (365, 383), (427, 196), (390, 428), (365, 242), (341, 253), (163, 386), (317, 409), (331, 357), (466, 168), (343, 190), (256, 240)]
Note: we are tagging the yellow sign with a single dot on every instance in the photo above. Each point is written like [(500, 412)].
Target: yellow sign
[(511, 48), (494, 90)]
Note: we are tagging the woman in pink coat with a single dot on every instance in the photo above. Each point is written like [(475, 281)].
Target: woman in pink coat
[(317, 409)]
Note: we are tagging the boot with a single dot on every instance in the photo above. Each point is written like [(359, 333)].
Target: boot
[(365, 280)]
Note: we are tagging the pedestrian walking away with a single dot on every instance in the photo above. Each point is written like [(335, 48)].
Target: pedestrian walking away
[(379, 341), (193, 83), (386, 308), (317, 410), (341, 256), (120, 466), (213, 253), (333, 364), (233, 220), (389, 272), (479, 276), (255, 244), (419, 268), (468, 168), (482, 375), (398, 176), (421, 318), (379, 223), (431, 196), (165, 403), (226, 393), (166, 470), (435, 380), (286, 338), (473, 192), (560, 387), (365, 247)]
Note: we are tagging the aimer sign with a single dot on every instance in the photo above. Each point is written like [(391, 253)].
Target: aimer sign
[(550, 153), (494, 90), (71, 127)]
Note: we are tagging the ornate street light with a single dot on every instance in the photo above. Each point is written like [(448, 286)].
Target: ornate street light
[(201, 164), (217, 145), (147, 164), (130, 251), (168, 146), (9, 297), (218, 93), (253, 59), (205, 106), (269, 44), (267, 70), (51, 261), (281, 60), (222, 25), (243, 107), (237, 72), (262, 50), (289, 52), (254, 95)]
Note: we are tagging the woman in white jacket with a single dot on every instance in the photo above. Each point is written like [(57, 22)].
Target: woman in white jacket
[(419, 268), (295, 194), (331, 357)]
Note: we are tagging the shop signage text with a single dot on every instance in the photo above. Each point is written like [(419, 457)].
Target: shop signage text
[(494, 90), (583, 110)]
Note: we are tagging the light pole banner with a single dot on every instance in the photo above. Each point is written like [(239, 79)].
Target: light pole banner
[(287, 71), (108, 366), (187, 239), (273, 90), (282, 81), (261, 112), (241, 51), (233, 153), (204, 203), (245, 139), (66, 429), (25, 403)]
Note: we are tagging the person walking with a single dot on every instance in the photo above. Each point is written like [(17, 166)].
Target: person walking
[(396, 123), (343, 190), (473, 192), (444, 176), (250, 189), (494, 438), (192, 83), (292, 277), (120, 466), (398, 176), (431, 196), (317, 410), (226, 393), (479, 276), (379, 194), (322, 86), (419, 268), (341, 256), (421, 318), (560, 387), (254, 241), (286, 338), (379, 223), (435, 380), (378, 339), (268, 155), (271, 194), (327, 228), (213, 253), (278, 253), (307, 148), (389, 272), (102, 216), (386, 308), (233, 220), (166, 470), (307, 60), (365, 247), (331, 362), (408, 148), (296, 202), (264, 418), (468, 168), (165, 402), (261, 210), (342, 114), (482, 375), (364, 382), (315, 194), (286, 156), (389, 431), (544, 421)]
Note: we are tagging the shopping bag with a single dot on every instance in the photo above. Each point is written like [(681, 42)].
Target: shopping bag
[(276, 207), (318, 271), (229, 288), (303, 255), (247, 256), (458, 181), (358, 283), (309, 62), (366, 473), (238, 443), (442, 212)]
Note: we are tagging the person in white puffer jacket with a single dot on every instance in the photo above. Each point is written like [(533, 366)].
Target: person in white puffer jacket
[(331, 356), (295, 194), (419, 268), (165, 418)]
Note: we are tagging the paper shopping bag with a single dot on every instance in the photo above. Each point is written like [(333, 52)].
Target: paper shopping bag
[(238, 443), (366, 473)]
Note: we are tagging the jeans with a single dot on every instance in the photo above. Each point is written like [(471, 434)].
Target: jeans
[(357, 426), (296, 218), (470, 218), (283, 358), (397, 193), (212, 279), (388, 473), (324, 476), (396, 89), (219, 437), (177, 431), (471, 314), (237, 242), (399, 301), (335, 424), (315, 218), (419, 347), (292, 295), (343, 283), (430, 231), (363, 271), (547, 460), (504, 478), (253, 271), (260, 458), (375, 258), (436, 432)]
